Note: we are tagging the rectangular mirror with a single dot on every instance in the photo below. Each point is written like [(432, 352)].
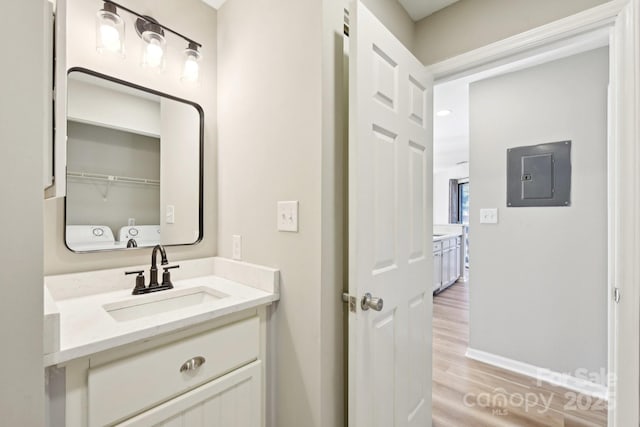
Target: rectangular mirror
[(134, 166)]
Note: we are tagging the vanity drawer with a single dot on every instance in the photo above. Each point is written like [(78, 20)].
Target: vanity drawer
[(437, 246), (127, 386), (446, 244)]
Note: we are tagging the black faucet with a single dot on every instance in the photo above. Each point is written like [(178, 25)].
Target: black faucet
[(154, 266), (154, 286), (131, 243)]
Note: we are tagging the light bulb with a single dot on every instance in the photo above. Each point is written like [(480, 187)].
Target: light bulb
[(191, 67), (190, 70), (153, 51), (110, 37), (109, 30), (153, 54)]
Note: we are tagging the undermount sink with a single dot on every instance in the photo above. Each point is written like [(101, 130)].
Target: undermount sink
[(161, 302)]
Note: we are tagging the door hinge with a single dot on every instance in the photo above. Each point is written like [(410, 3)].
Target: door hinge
[(616, 295), (351, 300)]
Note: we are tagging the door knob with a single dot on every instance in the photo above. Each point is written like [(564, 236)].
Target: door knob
[(374, 303)]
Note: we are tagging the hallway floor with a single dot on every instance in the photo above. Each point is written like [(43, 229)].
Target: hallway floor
[(468, 393)]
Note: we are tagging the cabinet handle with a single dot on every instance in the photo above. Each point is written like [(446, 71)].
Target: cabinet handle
[(192, 364)]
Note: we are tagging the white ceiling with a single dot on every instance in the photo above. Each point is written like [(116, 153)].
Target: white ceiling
[(419, 9), (214, 3)]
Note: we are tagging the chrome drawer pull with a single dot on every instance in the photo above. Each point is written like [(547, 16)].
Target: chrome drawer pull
[(192, 364)]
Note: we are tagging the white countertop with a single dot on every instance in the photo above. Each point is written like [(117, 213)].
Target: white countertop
[(86, 328), (445, 236)]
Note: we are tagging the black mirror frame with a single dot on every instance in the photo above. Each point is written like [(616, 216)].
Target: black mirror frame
[(200, 162)]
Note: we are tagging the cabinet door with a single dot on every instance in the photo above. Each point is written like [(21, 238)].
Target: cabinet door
[(233, 400), (453, 262), (445, 267), (437, 270), (458, 261)]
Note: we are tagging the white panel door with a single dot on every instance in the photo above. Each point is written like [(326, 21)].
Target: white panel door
[(390, 223)]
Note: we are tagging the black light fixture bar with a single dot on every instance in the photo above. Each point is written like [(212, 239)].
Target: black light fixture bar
[(157, 23)]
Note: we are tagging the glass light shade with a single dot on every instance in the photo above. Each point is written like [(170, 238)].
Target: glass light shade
[(191, 67), (109, 32), (153, 54)]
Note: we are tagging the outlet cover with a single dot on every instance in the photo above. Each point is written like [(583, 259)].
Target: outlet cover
[(288, 216), (489, 216), (236, 249)]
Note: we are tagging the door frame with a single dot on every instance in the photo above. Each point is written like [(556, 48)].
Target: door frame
[(620, 19)]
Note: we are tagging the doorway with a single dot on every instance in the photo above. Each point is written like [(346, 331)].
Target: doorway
[(496, 358)]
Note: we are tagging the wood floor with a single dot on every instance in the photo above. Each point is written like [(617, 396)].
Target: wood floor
[(467, 393)]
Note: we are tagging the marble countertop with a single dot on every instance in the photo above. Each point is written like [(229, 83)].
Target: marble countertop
[(86, 327)]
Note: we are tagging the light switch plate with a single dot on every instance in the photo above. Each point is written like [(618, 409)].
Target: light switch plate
[(236, 250), (489, 216), (288, 216), (170, 214)]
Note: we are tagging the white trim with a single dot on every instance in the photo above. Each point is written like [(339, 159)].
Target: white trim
[(510, 49), (540, 374)]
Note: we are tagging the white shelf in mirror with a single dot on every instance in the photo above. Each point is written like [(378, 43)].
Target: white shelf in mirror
[(112, 178)]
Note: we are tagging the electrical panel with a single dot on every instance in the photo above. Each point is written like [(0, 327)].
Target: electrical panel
[(539, 175)]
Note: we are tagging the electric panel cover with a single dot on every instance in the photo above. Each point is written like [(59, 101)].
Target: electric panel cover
[(539, 175)]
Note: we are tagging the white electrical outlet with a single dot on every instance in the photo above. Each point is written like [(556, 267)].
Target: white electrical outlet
[(288, 216), (489, 216), (170, 214), (236, 250)]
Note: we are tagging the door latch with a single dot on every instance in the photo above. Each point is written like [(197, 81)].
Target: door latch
[(616, 295), (351, 300)]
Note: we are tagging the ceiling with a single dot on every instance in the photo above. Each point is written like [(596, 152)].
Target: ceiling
[(419, 9), (214, 3)]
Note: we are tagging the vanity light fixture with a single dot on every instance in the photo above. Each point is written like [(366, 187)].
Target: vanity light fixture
[(110, 37), (109, 30)]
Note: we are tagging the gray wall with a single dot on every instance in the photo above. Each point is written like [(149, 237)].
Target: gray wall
[(280, 124), (470, 24), (196, 20), (395, 18), (22, 130), (97, 149), (538, 278)]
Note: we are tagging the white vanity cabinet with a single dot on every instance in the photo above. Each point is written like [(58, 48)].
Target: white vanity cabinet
[(209, 375)]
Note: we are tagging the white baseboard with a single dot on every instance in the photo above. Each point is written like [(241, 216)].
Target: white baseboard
[(563, 380)]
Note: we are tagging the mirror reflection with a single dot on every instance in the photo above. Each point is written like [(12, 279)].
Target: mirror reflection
[(133, 166)]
